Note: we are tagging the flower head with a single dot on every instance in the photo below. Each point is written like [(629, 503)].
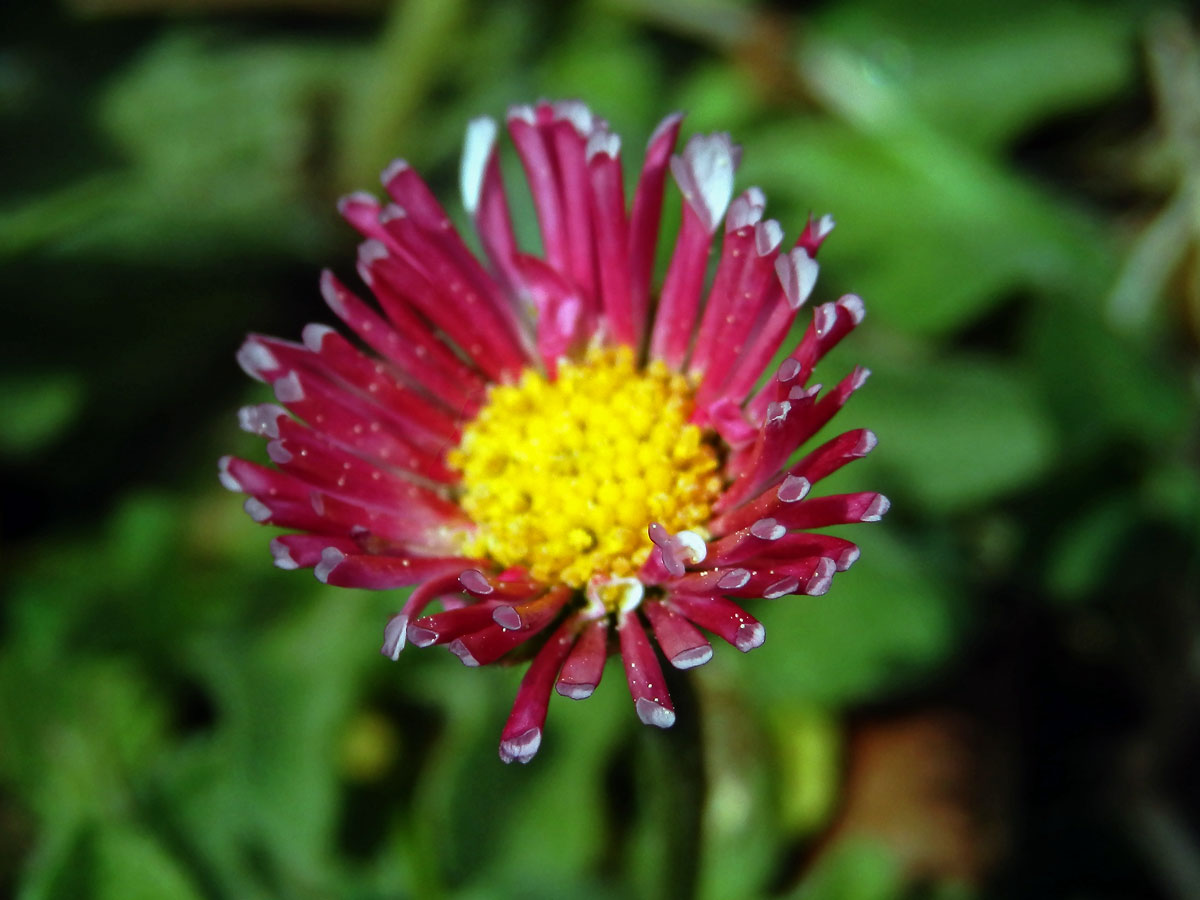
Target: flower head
[(552, 452)]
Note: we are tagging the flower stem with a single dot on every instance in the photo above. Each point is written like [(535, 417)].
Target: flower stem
[(673, 787)]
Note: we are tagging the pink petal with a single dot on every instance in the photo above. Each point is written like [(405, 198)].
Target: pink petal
[(522, 733), (384, 572), (443, 627), (644, 220), (835, 509), (581, 673), (395, 632), (722, 617), (683, 646), (644, 675)]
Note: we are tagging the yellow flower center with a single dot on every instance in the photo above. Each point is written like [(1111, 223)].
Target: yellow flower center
[(564, 477)]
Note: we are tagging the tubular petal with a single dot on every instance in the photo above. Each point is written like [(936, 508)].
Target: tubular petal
[(644, 675)]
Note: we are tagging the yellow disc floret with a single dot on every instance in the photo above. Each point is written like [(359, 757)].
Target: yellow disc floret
[(563, 477)]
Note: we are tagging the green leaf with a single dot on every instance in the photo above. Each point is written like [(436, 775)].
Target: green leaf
[(953, 433), (986, 71), (883, 624), (36, 410), (218, 138), (854, 870), (131, 865)]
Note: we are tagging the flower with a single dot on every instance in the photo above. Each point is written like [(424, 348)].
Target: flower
[(563, 460)]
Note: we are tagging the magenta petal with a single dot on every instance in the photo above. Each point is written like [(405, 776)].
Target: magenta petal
[(830, 323), (581, 673), (395, 633), (736, 252), (835, 509), (485, 199), (682, 645), (407, 342), (814, 234), (443, 627), (384, 572), (529, 614), (612, 236), (645, 216), (747, 543), (833, 454), (247, 477), (805, 545), (679, 302), (644, 675), (722, 617), (522, 733), (560, 309), (483, 647), (776, 577), (303, 551), (490, 643), (537, 159)]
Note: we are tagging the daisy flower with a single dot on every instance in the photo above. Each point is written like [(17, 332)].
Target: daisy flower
[(563, 461)]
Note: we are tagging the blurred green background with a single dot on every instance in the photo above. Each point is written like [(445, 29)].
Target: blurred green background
[(999, 700)]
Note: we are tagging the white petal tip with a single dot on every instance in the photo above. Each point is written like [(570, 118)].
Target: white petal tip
[(506, 617), (573, 691), (521, 748), (824, 318), (278, 453), (768, 236), (394, 168), (577, 113), (459, 649), (394, 633), (356, 198), (477, 150), (750, 636), (391, 213), (255, 359), (745, 210), (283, 556), (768, 529), (262, 419), (797, 273), (288, 388), (227, 480), (256, 509), (331, 558), (314, 335), (877, 510), (603, 143), (475, 582), (793, 488), (652, 713), (781, 588), (689, 659), (704, 172), (521, 112), (419, 636), (371, 252), (733, 579), (853, 304)]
